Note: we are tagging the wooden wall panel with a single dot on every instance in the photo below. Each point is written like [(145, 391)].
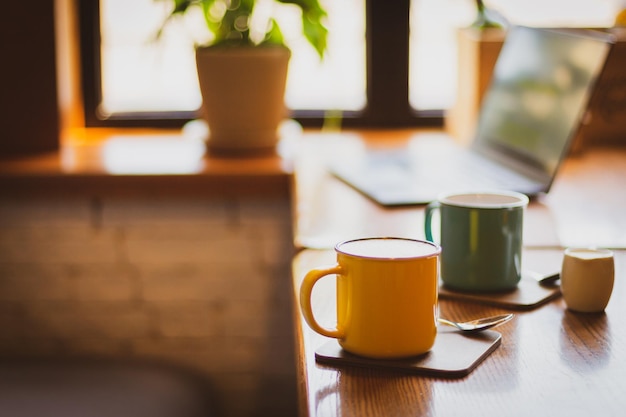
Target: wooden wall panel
[(29, 114)]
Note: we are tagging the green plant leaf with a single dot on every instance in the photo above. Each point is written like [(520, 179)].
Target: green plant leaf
[(211, 23), (232, 27), (316, 33), (312, 23), (274, 35)]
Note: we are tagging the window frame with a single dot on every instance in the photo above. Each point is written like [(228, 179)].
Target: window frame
[(387, 79)]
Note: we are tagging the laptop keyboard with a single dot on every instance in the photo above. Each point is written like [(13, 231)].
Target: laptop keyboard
[(468, 170), (399, 178)]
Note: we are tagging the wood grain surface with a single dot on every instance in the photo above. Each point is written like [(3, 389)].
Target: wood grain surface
[(551, 361)]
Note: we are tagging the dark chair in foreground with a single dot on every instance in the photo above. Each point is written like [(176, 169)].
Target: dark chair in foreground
[(101, 388)]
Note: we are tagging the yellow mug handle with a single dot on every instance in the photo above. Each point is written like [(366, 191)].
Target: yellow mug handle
[(306, 288)]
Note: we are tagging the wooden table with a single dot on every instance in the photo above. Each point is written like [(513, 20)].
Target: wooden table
[(551, 361)]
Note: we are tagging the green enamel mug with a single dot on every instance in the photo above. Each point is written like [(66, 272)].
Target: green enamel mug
[(480, 239)]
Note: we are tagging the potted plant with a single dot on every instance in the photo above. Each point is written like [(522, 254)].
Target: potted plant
[(478, 47), (242, 71)]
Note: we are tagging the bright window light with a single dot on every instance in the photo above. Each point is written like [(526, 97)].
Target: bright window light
[(433, 54), (140, 74)]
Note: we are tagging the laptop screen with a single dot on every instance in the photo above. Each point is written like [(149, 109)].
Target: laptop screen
[(539, 92)]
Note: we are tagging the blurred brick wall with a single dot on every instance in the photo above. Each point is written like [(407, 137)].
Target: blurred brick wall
[(202, 283)]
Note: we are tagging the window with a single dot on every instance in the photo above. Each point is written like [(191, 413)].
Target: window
[(390, 63), (433, 54), (139, 73), (371, 63)]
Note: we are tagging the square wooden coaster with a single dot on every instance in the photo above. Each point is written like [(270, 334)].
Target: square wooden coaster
[(454, 355), (529, 294)]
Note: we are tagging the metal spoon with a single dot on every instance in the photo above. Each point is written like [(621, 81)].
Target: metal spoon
[(478, 324)]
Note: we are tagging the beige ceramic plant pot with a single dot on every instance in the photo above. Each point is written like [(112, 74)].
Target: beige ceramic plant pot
[(478, 51), (243, 97)]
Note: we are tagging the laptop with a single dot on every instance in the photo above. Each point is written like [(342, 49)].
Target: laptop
[(531, 111)]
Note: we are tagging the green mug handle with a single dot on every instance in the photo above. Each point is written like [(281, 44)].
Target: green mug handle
[(428, 217)]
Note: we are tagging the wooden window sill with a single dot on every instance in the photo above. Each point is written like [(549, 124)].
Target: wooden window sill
[(125, 161)]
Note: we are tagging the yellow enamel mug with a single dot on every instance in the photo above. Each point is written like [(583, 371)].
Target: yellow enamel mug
[(386, 296)]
